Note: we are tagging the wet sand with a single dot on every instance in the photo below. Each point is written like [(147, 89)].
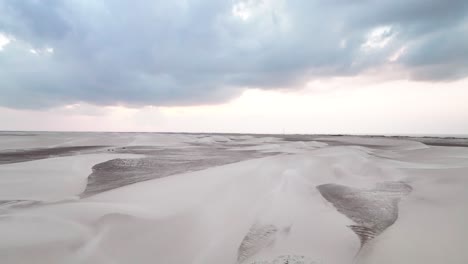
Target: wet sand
[(158, 163), (22, 155)]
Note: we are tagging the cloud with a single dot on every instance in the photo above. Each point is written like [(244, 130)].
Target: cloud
[(135, 53), (4, 40)]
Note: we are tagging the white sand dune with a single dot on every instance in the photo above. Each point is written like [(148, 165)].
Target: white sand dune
[(266, 210)]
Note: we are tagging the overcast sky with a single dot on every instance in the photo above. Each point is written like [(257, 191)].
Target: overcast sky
[(266, 66)]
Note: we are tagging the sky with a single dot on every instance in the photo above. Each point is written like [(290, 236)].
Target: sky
[(246, 66)]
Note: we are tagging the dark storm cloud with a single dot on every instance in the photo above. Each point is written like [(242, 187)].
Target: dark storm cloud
[(192, 52)]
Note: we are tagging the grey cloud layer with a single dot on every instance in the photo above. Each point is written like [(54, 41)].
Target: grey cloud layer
[(191, 52)]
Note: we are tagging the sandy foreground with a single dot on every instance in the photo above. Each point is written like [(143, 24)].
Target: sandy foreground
[(227, 199)]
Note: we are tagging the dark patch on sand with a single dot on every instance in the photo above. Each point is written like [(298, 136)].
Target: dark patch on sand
[(4, 134), (159, 163), (297, 138), (258, 237), (373, 210), (447, 144), (23, 155)]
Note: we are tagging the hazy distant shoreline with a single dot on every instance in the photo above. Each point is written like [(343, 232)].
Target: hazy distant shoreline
[(403, 135)]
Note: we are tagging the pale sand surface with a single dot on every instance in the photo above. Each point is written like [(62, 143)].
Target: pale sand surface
[(201, 198)]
